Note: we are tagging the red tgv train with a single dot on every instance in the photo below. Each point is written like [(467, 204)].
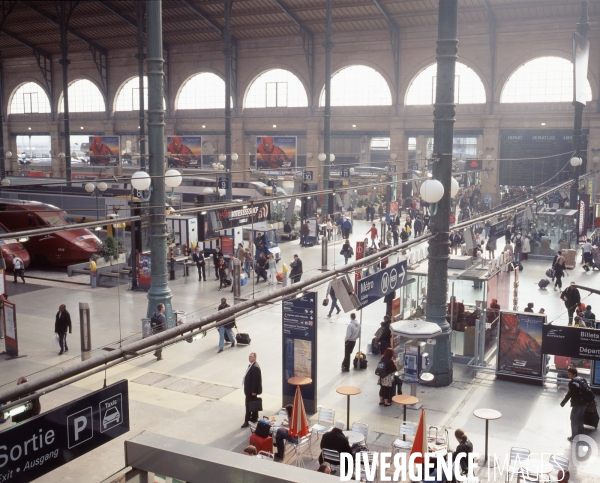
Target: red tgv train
[(12, 248), (62, 248)]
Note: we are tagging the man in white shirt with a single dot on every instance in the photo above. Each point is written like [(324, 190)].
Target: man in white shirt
[(588, 260), (352, 334), (19, 269)]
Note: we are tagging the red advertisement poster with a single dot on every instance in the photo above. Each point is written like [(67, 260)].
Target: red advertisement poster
[(144, 268), (360, 250), (10, 329), (394, 207), (227, 245), (395, 308)]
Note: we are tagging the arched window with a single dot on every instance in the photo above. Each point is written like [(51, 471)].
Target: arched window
[(128, 98), (545, 79), (358, 85), (276, 88), (29, 98), (468, 88), (202, 91), (84, 96)]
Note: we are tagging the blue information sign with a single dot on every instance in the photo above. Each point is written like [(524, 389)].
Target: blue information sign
[(300, 347), (374, 287)]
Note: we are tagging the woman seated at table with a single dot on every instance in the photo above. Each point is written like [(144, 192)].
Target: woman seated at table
[(282, 434), (385, 391), (464, 447)]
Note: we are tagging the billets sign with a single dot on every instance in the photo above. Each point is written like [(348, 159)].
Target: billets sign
[(571, 342)]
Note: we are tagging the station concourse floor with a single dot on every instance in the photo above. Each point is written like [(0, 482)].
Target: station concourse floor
[(195, 394)]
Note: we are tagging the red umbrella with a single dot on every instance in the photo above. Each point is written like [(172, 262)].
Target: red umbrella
[(299, 422), (420, 443)]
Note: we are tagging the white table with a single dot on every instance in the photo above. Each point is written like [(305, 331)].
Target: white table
[(354, 436), (537, 466)]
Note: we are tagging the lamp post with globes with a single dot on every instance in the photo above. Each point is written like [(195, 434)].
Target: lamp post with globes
[(97, 190), (574, 194)]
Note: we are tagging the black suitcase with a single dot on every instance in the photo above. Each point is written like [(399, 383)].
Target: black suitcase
[(241, 338), (591, 418)]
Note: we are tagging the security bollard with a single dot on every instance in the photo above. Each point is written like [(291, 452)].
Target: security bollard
[(324, 253), (237, 283)]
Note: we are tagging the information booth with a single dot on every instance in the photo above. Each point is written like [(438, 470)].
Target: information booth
[(477, 290), (559, 228)]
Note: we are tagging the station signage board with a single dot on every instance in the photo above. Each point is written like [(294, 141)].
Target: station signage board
[(41, 444), (568, 341), (378, 285)]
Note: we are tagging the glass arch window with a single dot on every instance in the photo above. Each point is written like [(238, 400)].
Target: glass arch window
[(84, 96), (128, 97), (545, 79), (29, 98), (358, 85), (276, 88), (202, 91), (468, 88)]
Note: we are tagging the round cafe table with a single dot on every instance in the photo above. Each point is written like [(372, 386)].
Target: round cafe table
[(487, 414), (354, 437), (348, 391), (405, 400), (299, 381)]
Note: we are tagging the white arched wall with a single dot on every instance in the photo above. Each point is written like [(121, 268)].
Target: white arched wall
[(19, 86), (265, 69)]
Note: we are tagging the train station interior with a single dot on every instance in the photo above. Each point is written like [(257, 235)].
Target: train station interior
[(429, 165)]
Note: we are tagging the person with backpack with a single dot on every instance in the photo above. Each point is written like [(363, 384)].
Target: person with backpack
[(346, 251), (572, 299), (19, 269), (518, 241), (352, 335), (158, 323), (580, 395), (385, 370), (385, 337)]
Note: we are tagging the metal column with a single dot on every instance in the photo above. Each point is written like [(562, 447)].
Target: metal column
[(159, 288), (2, 153), (64, 61), (328, 44), (582, 29), (228, 52), (139, 12), (443, 133)]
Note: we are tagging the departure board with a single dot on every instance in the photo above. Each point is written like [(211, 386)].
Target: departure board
[(533, 159)]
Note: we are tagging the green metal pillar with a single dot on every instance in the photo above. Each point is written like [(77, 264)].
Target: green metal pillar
[(328, 44), (443, 134), (582, 29), (159, 288), (228, 53)]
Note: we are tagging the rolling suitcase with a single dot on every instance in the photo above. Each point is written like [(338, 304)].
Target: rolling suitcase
[(591, 417), (242, 338)]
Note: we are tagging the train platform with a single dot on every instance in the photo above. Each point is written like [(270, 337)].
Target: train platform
[(195, 393)]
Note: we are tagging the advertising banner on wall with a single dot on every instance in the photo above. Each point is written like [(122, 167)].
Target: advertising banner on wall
[(105, 150), (184, 151), (582, 216), (520, 344), (571, 342), (273, 152)]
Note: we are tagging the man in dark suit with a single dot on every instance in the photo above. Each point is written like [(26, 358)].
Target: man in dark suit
[(198, 259), (61, 325), (335, 440), (252, 387)]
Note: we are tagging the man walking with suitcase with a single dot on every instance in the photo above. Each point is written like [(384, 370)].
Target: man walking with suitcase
[(252, 383), (225, 328), (352, 334)]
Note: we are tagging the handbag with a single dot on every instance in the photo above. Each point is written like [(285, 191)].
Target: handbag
[(325, 302), (55, 339), (255, 405)]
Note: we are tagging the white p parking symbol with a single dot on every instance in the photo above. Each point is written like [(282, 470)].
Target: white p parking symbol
[(80, 427)]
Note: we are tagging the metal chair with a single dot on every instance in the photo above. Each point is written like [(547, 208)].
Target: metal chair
[(252, 426), (325, 421), (558, 463), (266, 455), (406, 429), (332, 457), (299, 447), (517, 455), (361, 428), (372, 463)]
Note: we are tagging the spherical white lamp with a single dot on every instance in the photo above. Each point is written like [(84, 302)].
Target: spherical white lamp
[(60, 155), (214, 165), (5, 182), (222, 192), (453, 187), (575, 161), (207, 191), (102, 186), (234, 157), (331, 158), (8, 154), (394, 156), (173, 178), (322, 157), (595, 159), (222, 158), (140, 180), (351, 170), (432, 191), (90, 187)]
